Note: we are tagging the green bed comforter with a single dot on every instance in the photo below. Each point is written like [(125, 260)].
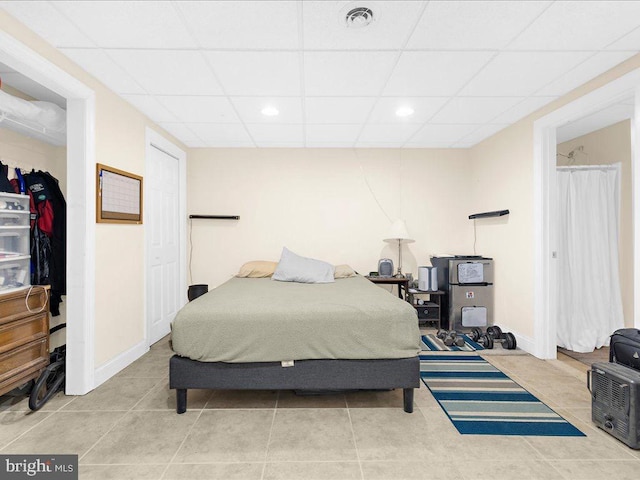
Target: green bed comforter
[(263, 320)]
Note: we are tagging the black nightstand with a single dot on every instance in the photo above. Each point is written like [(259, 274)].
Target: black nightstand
[(431, 309), (401, 282)]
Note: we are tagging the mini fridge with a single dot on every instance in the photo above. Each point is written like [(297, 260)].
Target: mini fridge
[(468, 283)]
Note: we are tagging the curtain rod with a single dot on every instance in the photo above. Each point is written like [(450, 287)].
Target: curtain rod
[(588, 167)]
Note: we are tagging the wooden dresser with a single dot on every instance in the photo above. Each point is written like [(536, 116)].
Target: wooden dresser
[(24, 336)]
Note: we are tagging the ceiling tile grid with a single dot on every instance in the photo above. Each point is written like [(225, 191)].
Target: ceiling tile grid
[(466, 69)]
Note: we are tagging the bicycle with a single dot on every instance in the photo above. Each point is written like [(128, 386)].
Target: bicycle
[(51, 380)]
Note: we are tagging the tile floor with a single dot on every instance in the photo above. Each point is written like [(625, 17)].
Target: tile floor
[(128, 429)]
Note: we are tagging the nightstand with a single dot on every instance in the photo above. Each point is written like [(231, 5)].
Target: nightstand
[(401, 282), (431, 309)]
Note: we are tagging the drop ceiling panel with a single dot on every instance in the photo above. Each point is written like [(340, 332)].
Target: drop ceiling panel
[(338, 110), (328, 134), (195, 144), (102, 67), (473, 25), (424, 108), (521, 73), (388, 132), (325, 26), (631, 41), (220, 133), (587, 25), (216, 64), (250, 109), (347, 73), (242, 25), (151, 107), (590, 68), (168, 72), (275, 133), (434, 73), (44, 19), (474, 110), (179, 130), (199, 109), (257, 73), (128, 24), (440, 134), (522, 109), (478, 135)]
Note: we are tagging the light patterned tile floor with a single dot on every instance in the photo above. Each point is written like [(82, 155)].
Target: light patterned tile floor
[(128, 429)]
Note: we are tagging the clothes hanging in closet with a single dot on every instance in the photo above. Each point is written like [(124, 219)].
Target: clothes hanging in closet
[(48, 233), (51, 221)]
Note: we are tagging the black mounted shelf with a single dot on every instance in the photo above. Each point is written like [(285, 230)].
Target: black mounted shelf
[(496, 213), (217, 217)]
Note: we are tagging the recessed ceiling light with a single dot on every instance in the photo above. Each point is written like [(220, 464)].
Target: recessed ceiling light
[(404, 111), (270, 111)]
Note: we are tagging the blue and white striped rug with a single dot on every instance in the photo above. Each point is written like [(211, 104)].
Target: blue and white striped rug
[(479, 399), (432, 343)]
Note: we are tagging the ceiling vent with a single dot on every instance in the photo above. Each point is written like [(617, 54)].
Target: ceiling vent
[(359, 17)]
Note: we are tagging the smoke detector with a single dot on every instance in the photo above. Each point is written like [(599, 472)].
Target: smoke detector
[(359, 17)]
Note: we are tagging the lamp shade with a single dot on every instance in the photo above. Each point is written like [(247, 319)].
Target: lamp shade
[(399, 232)]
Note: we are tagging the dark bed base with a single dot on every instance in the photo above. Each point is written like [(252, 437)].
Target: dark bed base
[(381, 374)]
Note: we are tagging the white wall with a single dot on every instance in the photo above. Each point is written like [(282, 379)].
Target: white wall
[(317, 203)]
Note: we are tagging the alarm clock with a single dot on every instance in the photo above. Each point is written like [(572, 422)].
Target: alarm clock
[(385, 267)]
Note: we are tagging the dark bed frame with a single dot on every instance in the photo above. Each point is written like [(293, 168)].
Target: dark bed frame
[(314, 375)]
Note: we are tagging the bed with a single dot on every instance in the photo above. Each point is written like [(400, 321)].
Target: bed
[(261, 334)]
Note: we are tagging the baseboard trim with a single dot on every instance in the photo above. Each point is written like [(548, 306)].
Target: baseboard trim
[(525, 343), (107, 370)]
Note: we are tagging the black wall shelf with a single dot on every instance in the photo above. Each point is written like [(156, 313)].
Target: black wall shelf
[(217, 217), (496, 213)]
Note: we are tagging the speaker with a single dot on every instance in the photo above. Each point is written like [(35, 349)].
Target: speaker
[(385, 267), (428, 279)]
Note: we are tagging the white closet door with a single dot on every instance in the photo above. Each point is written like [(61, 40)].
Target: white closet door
[(163, 244)]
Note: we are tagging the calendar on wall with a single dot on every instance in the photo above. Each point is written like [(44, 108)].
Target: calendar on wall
[(119, 196)]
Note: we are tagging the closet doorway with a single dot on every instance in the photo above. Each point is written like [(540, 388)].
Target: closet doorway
[(80, 186)]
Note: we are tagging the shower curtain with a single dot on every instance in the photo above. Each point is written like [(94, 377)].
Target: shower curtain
[(589, 298)]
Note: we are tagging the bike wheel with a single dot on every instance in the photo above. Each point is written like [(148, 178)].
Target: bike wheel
[(47, 385)]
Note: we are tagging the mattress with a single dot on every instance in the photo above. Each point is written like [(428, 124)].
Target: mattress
[(263, 320)]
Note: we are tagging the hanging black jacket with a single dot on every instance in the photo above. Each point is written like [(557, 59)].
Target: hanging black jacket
[(44, 187)]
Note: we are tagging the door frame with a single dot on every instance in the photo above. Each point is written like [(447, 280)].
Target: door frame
[(544, 213), (154, 140), (80, 299)]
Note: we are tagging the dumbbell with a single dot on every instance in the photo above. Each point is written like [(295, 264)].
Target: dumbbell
[(450, 337), (507, 340), (475, 334), (485, 340), (480, 338)]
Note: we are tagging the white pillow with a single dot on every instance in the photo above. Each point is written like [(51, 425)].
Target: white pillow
[(294, 268)]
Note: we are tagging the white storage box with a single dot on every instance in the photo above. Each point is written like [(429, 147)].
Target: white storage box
[(14, 274), (15, 233)]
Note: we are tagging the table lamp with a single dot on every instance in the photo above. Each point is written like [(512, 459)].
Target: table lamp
[(398, 233)]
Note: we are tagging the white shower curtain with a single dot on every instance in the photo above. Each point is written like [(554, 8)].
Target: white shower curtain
[(589, 299)]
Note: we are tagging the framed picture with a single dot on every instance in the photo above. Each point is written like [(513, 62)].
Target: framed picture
[(119, 196)]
